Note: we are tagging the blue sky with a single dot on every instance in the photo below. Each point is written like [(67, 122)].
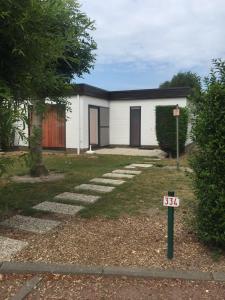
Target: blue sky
[(142, 43)]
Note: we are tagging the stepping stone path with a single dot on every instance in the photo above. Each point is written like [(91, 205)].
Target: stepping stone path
[(108, 181), (9, 247), (117, 175), (127, 172), (95, 188), (30, 224), (58, 208), (85, 199)]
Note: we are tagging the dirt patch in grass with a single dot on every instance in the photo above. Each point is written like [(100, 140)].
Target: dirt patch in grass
[(128, 241)]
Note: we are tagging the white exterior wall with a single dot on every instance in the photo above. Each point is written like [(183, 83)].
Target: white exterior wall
[(120, 119), (119, 128)]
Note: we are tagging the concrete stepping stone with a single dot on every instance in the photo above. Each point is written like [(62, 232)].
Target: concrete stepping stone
[(9, 247), (85, 199), (30, 224), (142, 165), (117, 175), (127, 172), (58, 208), (108, 181), (95, 188), (152, 159), (129, 167)]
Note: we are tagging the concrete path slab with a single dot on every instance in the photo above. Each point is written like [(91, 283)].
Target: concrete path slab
[(131, 151), (142, 165), (58, 208), (127, 172), (117, 175), (129, 167), (85, 199), (95, 188), (9, 247), (30, 224), (108, 181)]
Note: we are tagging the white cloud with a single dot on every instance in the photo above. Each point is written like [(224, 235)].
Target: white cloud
[(182, 33)]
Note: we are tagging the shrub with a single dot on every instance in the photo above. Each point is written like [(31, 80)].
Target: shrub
[(11, 116), (166, 129), (208, 161)]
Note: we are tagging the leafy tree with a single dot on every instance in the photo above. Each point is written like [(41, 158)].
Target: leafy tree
[(183, 79), (208, 161), (44, 44)]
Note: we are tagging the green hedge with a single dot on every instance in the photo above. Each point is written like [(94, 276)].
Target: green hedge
[(166, 129), (208, 161)]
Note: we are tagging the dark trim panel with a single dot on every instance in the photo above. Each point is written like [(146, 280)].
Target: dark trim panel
[(135, 107), (88, 90)]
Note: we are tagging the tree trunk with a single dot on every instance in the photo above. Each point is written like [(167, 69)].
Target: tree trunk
[(37, 167)]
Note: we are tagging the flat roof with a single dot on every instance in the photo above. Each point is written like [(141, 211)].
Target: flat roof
[(92, 91)]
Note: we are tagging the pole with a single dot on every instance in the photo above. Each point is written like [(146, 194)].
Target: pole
[(177, 126), (78, 148), (170, 232)]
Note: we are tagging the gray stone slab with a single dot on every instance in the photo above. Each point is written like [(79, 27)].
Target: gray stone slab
[(95, 188), (29, 179), (129, 167), (117, 175), (142, 165), (108, 181), (30, 224), (27, 288), (9, 247), (219, 276), (132, 172), (41, 267), (58, 208), (85, 199), (157, 273)]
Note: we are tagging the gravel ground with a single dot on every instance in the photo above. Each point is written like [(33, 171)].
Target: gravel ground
[(128, 241), (80, 287), (10, 285)]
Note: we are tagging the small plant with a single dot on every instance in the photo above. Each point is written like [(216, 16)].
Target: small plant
[(166, 129)]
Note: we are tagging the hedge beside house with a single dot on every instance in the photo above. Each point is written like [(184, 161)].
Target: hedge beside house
[(166, 129)]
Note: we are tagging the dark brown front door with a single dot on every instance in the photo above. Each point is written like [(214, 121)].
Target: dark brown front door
[(135, 126)]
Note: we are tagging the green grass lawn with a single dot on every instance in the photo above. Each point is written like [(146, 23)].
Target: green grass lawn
[(137, 195)]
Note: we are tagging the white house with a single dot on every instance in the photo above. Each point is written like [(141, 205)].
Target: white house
[(102, 118)]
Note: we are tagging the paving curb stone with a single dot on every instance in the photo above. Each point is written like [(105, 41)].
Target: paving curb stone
[(70, 269), (157, 273), (27, 288), (29, 267), (218, 276)]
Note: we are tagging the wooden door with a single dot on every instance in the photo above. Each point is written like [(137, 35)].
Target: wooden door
[(135, 126), (53, 127)]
